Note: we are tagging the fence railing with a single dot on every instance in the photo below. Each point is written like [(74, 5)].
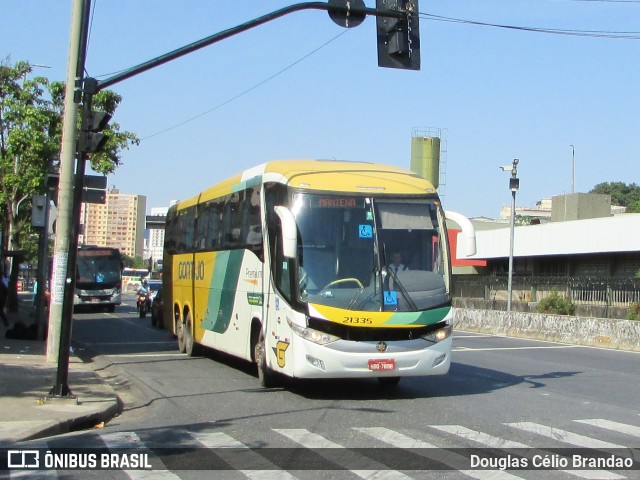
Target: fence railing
[(612, 291)]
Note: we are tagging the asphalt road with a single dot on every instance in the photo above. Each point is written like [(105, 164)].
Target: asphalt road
[(500, 393)]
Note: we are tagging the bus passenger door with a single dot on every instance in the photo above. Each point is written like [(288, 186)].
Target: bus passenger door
[(278, 286)]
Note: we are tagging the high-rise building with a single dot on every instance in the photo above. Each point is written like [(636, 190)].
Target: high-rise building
[(156, 239), (120, 223)]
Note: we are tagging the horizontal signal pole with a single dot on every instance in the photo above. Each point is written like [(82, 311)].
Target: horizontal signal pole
[(205, 42)]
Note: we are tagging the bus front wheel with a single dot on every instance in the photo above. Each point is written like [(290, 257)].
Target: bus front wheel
[(265, 376)]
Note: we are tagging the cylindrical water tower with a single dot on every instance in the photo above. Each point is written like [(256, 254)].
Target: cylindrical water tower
[(425, 158)]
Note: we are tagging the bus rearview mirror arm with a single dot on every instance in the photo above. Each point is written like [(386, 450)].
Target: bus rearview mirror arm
[(289, 231)]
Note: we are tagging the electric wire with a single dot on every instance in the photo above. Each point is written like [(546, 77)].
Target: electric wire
[(248, 90), (553, 31)]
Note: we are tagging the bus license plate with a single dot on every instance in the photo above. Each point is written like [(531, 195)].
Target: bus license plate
[(382, 365)]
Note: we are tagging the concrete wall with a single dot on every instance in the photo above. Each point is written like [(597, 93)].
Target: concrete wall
[(598, 332), (580, 206)]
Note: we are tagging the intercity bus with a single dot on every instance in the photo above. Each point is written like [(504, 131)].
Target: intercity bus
[(99, 277), (132, 278), (287, 265)]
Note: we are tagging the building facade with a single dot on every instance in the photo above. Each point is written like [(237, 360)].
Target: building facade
[(156, 240), (119, 223)]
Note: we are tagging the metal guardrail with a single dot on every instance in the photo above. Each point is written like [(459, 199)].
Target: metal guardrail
[(611, 291)]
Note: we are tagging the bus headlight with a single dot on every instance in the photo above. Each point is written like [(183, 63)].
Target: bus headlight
[(439, 335), (315, 336)]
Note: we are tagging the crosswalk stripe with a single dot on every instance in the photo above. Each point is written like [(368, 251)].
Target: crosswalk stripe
[(400, 440), (249, 463), (497, 442), (563, 435), (611, 425), (479, 437), (313, 440), (114, 440)]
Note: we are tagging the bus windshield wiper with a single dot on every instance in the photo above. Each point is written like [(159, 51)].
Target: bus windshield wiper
[(398, 285)]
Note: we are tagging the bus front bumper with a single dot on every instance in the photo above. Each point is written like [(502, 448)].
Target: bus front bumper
[(347, 359)]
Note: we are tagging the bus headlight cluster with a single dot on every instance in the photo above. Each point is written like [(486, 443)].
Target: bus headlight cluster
[(312, 335), (439, 335)]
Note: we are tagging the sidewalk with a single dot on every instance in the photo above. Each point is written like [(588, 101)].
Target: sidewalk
[(26, 378)]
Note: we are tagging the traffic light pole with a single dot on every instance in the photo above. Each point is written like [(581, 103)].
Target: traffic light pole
[(210, 40), (66, 238)]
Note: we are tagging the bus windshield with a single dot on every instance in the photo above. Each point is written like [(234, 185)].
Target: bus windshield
[(371, 254), (98, 268)]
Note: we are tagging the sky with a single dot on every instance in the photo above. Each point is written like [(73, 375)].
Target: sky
[(303, 87)]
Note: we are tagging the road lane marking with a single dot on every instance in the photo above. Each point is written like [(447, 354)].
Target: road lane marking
[(563, 435), (611, 425), (497, 442), (117, 440), (250, 463), (400, 440), (473, 349), (313, 440)]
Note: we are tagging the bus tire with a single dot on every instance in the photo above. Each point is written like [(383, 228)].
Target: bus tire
[(190, 347), (265, 376), (180, 335)]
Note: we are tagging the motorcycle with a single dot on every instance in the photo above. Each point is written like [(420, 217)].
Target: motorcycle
[(143, 304)]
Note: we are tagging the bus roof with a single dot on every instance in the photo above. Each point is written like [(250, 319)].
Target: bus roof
[(324, 175)]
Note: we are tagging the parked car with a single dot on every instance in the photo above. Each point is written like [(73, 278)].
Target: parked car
[(156, 308)]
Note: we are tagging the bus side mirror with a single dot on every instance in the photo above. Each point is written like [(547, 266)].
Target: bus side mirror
[(289, 231), (468, 233)]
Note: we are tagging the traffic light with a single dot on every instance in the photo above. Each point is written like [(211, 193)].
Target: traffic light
[(398, 36), (91, 138)]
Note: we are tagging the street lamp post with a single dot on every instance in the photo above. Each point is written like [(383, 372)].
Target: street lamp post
[(514, 185), (573, 168)]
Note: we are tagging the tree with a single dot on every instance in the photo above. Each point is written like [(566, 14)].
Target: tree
[(621, 194), (30, 137), (134, 262)]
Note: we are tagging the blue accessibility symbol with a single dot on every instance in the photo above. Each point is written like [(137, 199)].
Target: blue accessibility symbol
[(365, 231), (390, 297)]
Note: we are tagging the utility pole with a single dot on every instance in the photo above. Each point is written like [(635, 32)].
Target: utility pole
[(63, 275), (514, 185)]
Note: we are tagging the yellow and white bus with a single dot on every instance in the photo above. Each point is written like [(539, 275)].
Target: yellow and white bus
[(288, 265)]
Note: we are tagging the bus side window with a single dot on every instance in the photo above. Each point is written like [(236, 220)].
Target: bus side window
[(202, 224), (231, 221), (251, 233), (215, 227)]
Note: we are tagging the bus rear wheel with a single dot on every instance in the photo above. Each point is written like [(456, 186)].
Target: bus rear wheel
[(265, 376), (190, 346), (180, 335)]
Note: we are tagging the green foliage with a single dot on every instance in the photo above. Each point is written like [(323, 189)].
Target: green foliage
[(634, 311), (556, 304), (621, 194), (30, 137), (132, 262)]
